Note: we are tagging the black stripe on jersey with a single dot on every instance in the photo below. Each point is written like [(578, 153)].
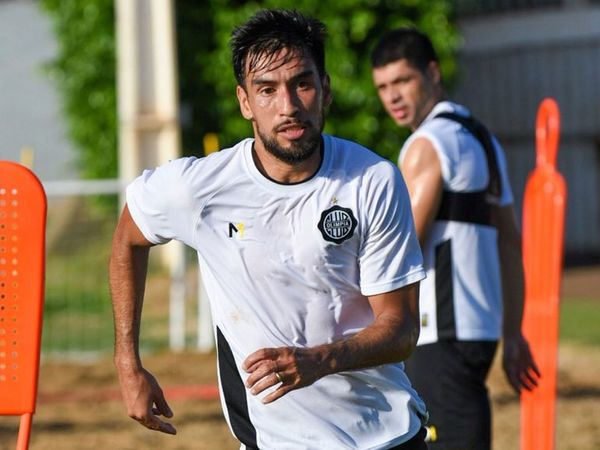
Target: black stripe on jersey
[(484, 137), (234, 392), (444, 292), (471, 207)]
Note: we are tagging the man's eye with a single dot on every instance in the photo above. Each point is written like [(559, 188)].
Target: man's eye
[(304, 85), (267, 90)]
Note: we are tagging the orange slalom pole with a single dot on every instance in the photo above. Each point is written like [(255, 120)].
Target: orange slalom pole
[(543, 228)]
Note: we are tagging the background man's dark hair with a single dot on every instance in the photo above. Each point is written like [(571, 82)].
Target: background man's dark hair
[(268, 32), (404, 43)]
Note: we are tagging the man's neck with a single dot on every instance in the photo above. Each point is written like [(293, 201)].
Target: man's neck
[(437, 99), (283, 172)]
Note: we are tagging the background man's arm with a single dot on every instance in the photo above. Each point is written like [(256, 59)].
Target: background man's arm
[(518, 363), (423, 176), (390, 338), (142, 395)]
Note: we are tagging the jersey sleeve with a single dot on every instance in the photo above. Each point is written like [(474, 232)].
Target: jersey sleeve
[(390, 255), (161, 202)]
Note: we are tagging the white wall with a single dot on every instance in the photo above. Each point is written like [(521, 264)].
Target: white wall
[(574, 21), (509, 63), (29, 104)]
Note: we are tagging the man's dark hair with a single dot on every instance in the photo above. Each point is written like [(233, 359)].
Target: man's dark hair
[(271, 30), (404, 43)]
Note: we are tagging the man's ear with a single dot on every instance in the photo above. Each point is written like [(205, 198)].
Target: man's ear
[(434, 73), (327, 95), (242, 96)]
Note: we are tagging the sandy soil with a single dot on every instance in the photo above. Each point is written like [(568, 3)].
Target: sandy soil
[(79, 407)]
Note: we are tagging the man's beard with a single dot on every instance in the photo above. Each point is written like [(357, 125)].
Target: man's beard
[(298, 151)]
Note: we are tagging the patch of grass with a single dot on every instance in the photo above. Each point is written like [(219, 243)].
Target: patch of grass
[(579, 319)]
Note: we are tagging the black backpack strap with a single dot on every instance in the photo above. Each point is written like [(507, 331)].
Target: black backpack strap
[(470, 207), (480, 133)]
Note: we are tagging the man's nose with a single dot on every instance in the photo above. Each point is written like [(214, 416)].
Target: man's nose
[(395, 95), (289, 102)]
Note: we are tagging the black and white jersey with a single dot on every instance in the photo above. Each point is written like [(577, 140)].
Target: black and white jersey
[(292, 265), (462, 295)]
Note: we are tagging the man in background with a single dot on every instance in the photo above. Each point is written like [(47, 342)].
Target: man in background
[(462, 204)]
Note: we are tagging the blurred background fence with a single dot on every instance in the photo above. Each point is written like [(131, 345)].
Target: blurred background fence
[(77, 316), (78, 313)]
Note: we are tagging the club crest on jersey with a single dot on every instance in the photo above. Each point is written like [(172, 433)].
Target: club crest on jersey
[(337, 224)]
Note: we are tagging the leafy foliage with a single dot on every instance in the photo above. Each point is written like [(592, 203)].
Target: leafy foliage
[(353, 29), (85, 69)]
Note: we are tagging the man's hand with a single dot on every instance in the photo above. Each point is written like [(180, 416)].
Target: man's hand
[(291, 368), (145, 401), (518, 363), (390, 338)]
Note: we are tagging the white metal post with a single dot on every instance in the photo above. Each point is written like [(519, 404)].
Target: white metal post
[(148, 108)]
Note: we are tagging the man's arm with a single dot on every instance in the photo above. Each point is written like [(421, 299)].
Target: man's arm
[(518, 363), (390, 338), (422, 173), (142, 395)]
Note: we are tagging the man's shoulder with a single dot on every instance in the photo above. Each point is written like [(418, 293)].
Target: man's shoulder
[(217, 159), (189, 173), (353, 161), (352, 153), (447, 106), (227, 155), (439, 131)]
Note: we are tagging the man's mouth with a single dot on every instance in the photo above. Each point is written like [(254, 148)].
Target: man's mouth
[(400, 113), (292, 132)]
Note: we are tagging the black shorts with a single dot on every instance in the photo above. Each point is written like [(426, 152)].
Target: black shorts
[(450, 377)]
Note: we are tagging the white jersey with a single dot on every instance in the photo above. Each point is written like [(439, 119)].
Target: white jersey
[(461, 297), (292, 265)]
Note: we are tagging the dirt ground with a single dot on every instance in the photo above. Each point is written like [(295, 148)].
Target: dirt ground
[(79, 404)]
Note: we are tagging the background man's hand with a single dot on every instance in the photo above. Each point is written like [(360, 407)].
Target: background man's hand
[(518, 364)]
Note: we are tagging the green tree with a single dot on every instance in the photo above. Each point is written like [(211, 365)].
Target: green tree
[(84, 72), (85, 68), (201, 112), (353, 29)]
